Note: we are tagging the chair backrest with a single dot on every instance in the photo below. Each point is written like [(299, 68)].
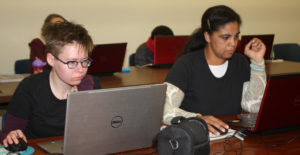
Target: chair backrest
[(132, 59), (22, 66), (287, 51)]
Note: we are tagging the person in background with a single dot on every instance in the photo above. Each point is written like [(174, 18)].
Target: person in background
[(210, 79), (37, 46), (144, 53), (38, 106)]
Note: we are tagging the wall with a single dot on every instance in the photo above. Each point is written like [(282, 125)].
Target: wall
[(110, 21)]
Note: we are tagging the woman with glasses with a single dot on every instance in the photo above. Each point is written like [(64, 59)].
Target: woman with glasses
[(38, 106)]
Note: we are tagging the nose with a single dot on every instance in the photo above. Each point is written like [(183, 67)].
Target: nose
[(233, 41), (79, 68)]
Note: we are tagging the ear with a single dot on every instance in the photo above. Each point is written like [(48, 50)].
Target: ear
[(207, 37), (50, 59)]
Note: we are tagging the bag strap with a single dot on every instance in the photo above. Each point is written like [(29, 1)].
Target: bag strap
[(179, 119), (201, 122)]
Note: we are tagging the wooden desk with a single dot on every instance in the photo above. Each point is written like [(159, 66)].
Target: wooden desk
[(261, 145), (257, 144), (139, 76), (7, 90), (148, 75), (282, 68), (136, 76), (39, 151)]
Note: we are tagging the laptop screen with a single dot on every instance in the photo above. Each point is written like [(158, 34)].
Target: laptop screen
[(107, 58), (166, 49), (266, 38)]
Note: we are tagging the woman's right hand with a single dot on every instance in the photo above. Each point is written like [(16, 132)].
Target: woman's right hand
[(12, 137), (255, 49), (211, 120)]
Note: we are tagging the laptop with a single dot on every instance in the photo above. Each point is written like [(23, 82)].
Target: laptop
[(166, 49), (280, 107), (112, 120), (107, 58), (266, 38)]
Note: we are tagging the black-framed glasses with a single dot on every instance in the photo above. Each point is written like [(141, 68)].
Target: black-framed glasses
[(73, 64)]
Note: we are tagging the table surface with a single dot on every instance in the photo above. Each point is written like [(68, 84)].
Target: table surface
[(253, 144), (258, 144), (150, 75)]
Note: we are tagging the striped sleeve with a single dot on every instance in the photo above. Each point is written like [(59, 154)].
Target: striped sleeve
[(253, 90), (174, 97)]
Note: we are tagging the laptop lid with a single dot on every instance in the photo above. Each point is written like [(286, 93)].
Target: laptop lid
[(280, 105), (266, 38), (113, 120), (166, 49), (107, 58)]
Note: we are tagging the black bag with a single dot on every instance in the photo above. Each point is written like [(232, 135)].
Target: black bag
[(185, 136)]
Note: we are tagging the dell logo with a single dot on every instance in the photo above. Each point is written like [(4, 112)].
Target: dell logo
[(116, 121)]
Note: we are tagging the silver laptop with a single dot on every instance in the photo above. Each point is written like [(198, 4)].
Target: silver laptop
[(113, 120)]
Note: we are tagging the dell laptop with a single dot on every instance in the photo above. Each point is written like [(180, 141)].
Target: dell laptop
[(112, 120)]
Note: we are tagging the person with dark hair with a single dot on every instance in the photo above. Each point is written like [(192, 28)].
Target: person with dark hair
[(38, 106), (37, 46), (210, 79), (144, 53)]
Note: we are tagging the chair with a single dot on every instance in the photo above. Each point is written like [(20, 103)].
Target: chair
[(287, 51), (22, 66), (132, 59)]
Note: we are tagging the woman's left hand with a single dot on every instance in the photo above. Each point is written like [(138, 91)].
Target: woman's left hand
[(255, 49)]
